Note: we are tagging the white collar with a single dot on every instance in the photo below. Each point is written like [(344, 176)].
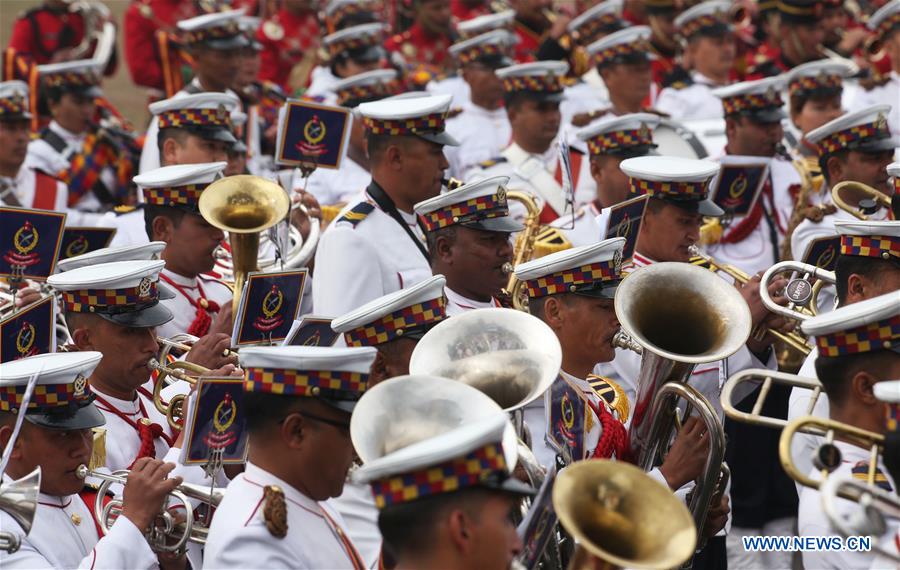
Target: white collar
[(470, 107), (548, 157), (704, 80), (125, 406), (66, 135), (467, 303), (180, 279), (258, 476)]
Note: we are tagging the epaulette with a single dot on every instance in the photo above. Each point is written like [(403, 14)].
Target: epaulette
[(874, 81), (123, 209), (357, 213), (611, 393), (678, 78), (491, 162), (454, 112), (861, 471)]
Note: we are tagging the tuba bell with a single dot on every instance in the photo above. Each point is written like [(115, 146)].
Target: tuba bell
[(244, 206), (622, 516), (18, 499), (679, 315)]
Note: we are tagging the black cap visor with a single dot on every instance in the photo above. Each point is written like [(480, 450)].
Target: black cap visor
[(442, 138), (599, 290), (238, 41), (70, 418), (151, 316)]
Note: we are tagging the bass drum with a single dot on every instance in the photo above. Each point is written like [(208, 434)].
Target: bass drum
[(674, 139)]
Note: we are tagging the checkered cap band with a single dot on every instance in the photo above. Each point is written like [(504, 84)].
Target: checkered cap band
[(71, 79), (454, 475), (478, 51), (572, 280), (616, 140), (195, 118), (701, 23), (592, 27), (428, 124), (188, 195), (15, 105), (480, 208), (805, 84), (326, 383), (892, 417), (752, 102), (888, 23), (674, 190), (226, 30), (377, 90), (849, 137), (359, 42), (46, 396), (612, 53), (547, 83), (880, 335), (348, 10), (398, 323), (882, 247), (98, 300)]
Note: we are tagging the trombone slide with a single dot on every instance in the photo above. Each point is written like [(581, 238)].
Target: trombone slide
[(768, 378)]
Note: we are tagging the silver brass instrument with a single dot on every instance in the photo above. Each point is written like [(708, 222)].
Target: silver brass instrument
[(166, 528), (18, 499), (680, 315), (801, 291), (768, 378), (874, 503), (174, 410), (99, 32), (868, 200), (622, 516)]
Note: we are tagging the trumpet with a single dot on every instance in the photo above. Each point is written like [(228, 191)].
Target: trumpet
[(801, 292), (18, 499), (868, 200), (179, 342), (166, 528), (869, 521), (793, 340), (828, 457), (768, 378), (174, 410)]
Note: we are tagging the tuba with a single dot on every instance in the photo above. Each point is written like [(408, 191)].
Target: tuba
[(244, 206), (622, 516), (18, 499), (868, 200), (678, 316)]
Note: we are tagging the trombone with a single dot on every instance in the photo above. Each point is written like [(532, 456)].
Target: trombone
[(174, 410), (868, 200), (769, 378), (18, 499), (874, 504), (192, 529), (801, 292)]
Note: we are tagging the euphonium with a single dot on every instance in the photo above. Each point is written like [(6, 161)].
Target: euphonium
[(166, 527), (679, 316), (18, 499), (622, 516), (801, 292), (524, 247), (869, 200), (244, 206), (174, 410)]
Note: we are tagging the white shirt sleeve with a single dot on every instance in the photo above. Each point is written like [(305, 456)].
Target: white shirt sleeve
[(347, 273)]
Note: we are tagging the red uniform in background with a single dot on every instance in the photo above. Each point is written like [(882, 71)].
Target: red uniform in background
[(289, 40), (463, 10), (529, 42), (42, 32), (421, 49), (153, 57)]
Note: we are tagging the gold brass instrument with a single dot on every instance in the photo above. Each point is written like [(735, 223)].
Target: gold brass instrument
[(868, 200), (874, 503), (174, 410), (622, 516), (811, 183), (801, 291), (679, 315), (828, 456), (166, 528), (768, 378), (793, 340), (18, 499), (179, 342), (244, 206)]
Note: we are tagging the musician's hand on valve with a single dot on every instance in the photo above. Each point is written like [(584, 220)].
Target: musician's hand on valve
[(209, 351), (716, 517), (301, 219), (227, 370), (27, 296), (687, 456), (146, 490)]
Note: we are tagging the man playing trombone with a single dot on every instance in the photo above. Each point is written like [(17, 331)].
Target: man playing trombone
[(56, 437)]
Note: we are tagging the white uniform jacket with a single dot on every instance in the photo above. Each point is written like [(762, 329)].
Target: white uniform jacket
[(586, 229), (805, 445), (186, 295), (335, 186), (691, 102), (481, 133), (457, 304)]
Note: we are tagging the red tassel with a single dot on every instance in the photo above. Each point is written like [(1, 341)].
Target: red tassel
[(200, 325), (612, 440), (148, 433)]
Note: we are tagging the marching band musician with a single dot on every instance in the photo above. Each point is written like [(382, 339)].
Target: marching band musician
[(858, 347), (375, 246), (347, 183), (753, 113), (534, 29), (868, 265), (57, 438), (468, 234), (352, 51), (710, 52), (424, 45), (393, 325), (290, 38), (622, 60), (20, 185), (855, 147), (609, 141), (885, 23), (533, 92), (798, 38), (816, 94), (481, 127), (297, 402)]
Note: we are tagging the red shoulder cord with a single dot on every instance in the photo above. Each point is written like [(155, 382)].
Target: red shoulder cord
[(148, 432), (613, 438), (200, 325)]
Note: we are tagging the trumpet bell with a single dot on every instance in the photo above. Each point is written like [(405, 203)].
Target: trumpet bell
[(622, 516), (682, 312), (18, 499), (509, 355)]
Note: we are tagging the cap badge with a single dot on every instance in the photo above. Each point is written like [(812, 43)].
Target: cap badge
[(771, 94), (221, 112), (881, 122), (617, 261), (273, 31), (144, 288), (79, 384), (18, 100), (644, 131), (501, 194)]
